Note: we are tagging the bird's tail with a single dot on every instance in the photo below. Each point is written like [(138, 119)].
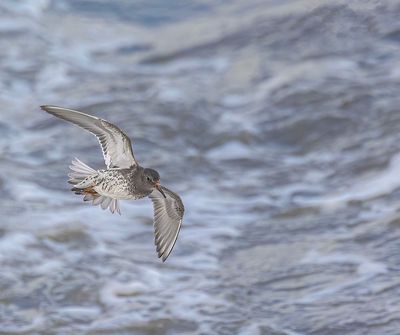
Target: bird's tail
[(80, 171), (83, 179)]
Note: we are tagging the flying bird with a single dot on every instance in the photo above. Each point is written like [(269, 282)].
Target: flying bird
[(123, 178)]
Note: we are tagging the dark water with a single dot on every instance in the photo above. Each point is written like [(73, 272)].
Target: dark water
[(277, 121)]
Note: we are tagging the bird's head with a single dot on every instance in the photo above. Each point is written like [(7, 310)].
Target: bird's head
[(152, 180)]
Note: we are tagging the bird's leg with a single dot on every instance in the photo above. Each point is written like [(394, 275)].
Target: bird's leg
[(89, 190), (85, 191)]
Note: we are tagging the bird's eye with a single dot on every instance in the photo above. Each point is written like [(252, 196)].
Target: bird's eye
[(148, 179)]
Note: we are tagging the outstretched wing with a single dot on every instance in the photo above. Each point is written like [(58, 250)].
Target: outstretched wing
[(116, 145), (168, 213)]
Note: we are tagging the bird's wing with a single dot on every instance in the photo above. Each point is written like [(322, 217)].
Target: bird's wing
[(116, 145), (168, 213)]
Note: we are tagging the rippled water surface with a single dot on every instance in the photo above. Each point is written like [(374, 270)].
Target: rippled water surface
[(277, 122)]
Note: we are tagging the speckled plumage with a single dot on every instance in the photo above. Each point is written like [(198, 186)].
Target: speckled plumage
[(124, 178), (124, 184)]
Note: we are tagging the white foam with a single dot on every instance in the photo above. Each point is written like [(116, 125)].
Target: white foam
[(374, 185), (365, 265), (341, 68), (188, 64), (34, 317), (79, 312), (53, 76), (29, 7), (236, 100), (117, 293), (230, 150), (114, 293), (255, 328), (366, 269), (170, 94), (10, 25), (25, 191), (15, 243)]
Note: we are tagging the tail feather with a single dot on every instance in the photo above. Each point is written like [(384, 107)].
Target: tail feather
[(98, 200), (83, 185), (106, 202), (79, 166), (114, 206), (80, 171), (88, 197)]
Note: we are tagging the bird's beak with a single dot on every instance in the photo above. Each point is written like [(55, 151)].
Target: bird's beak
[(158, 187)]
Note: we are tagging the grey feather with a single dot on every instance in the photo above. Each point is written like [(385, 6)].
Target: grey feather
[(106, 202), (168, 214), (98, 200), (115, 144)]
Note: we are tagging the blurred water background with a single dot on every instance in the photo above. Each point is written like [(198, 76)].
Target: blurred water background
[(276, 121)]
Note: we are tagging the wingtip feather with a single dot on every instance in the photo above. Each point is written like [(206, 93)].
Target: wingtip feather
[(46, 108)]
